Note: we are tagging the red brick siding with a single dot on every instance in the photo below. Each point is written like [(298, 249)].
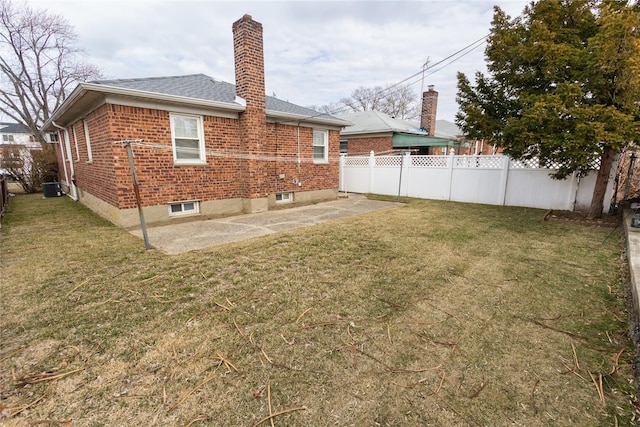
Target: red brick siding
[(364, 146), (282, 141), (108, 177)]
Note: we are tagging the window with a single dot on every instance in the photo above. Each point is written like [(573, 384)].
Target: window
[(88, 141), (7, 138), (75, 142), (188, 139), (344, 146), (53, 137), (183, 208), (284, 197), (320, 146)]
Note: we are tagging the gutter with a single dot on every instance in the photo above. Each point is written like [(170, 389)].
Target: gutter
[(67, 148), (82, 88)]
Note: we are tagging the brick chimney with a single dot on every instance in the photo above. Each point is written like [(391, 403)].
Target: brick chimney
[(429, 107), (249, 70)]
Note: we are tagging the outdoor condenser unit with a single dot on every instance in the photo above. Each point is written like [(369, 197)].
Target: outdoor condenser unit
[(51, 189)]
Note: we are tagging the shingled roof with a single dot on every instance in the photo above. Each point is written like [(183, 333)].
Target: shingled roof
[(13, 128), (203, 87)]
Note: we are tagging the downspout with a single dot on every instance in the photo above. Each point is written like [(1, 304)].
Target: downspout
[(67, 146)]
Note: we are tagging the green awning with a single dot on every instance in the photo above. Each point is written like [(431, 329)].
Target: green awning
[(403, 140)]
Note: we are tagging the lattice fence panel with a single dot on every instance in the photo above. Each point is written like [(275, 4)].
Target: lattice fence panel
[(486, 162), (388, 161), (535, 163), (356, 161), (429, 161)]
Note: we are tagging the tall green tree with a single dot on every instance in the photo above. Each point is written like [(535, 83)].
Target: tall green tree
[(563, 86)]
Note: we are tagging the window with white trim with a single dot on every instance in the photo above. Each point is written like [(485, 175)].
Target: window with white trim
[(75, 142), (284, 197), (88, 141), (320, 146), (184, 208), (187, 137), (7, 138)]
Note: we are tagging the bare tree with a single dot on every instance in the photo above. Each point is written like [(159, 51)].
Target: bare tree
[(396, 101), (39, 64)]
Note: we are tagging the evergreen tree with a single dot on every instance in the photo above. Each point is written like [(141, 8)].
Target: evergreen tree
[(563, 86)]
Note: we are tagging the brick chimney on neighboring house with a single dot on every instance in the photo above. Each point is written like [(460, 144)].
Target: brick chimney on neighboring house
[(249, 70), (429, 107)]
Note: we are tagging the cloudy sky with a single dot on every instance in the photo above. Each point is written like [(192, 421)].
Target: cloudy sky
[(316, 52)]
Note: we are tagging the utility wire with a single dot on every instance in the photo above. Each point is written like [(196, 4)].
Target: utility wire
[(469, 48)]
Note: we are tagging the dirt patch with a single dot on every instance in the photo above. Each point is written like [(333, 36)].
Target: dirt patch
[(581, 218)]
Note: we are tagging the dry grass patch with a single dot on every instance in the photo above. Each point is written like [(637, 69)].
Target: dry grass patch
[(432, 313)]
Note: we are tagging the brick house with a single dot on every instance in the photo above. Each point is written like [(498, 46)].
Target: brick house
[(207, 147), (383, 134)]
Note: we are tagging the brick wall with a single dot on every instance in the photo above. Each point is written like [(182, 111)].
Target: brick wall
[(108, 176), (364, 146)]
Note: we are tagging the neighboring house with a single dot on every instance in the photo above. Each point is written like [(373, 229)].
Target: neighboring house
[(209, 148), (16, 140), (381, 133), (14, 133)]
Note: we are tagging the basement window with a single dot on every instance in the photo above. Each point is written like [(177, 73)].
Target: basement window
[(284, 197), (184, 208)]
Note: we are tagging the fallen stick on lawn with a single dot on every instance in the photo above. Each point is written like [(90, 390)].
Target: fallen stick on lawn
[(598, 386), (616, 360), (16, 410), (63, 422), (196, 420), (286, 411), (269, 401), (395, 370), (533, 396), (190, 392), (575, 356), (303, 313), (40, 378), (483, 384)]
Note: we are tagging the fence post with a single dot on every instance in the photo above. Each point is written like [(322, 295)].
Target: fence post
[(407, 166), (450, 172), (372, 165), (504, 180), (341, 186)]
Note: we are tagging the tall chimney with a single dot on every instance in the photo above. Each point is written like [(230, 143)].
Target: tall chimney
[(249, 70), (429, 107)]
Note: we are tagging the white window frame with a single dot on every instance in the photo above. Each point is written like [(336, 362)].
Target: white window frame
[(325, 145), (7, 138), (88, 141), (183, 205), (285, 197), (75, 142), (201, 160)]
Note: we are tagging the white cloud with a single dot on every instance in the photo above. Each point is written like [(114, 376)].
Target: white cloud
[(316, 52)]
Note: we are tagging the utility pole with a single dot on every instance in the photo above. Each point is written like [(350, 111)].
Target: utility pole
[(424, 68), (136, 190)]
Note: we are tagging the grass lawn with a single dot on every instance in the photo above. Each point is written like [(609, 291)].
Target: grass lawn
[(429, 314)]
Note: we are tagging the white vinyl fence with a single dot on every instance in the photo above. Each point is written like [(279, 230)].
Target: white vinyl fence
[(495, 180)]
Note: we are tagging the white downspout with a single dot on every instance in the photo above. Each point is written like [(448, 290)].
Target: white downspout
[(67, 146)]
